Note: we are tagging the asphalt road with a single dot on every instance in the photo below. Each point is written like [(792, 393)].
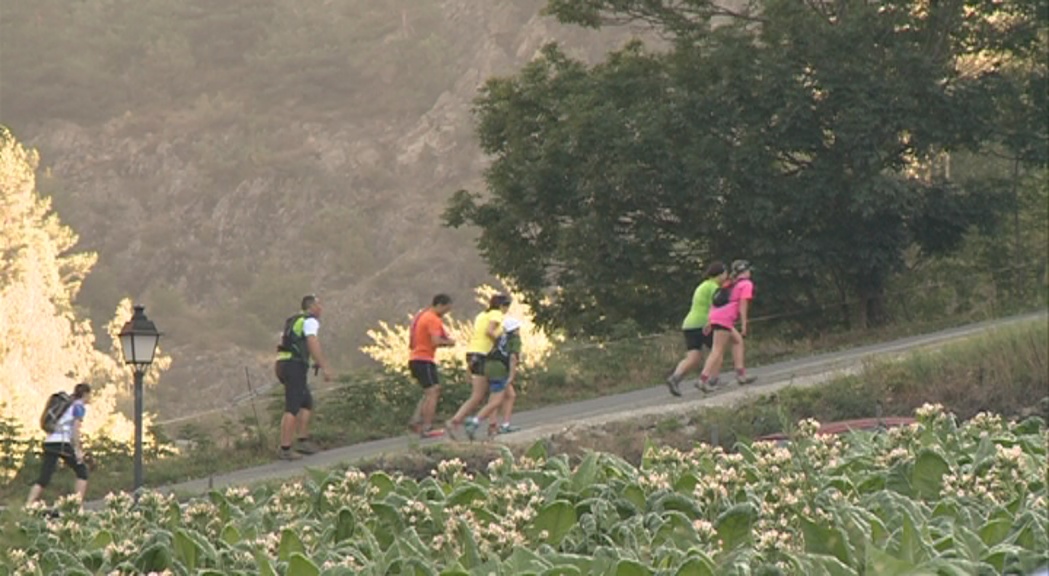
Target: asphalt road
[(654, 400)]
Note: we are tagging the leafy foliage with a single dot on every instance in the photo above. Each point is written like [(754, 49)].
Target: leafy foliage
[(932, 497), (47, 345), (807, 137)]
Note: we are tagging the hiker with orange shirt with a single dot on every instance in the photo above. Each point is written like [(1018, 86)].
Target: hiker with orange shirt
[(426, 335)]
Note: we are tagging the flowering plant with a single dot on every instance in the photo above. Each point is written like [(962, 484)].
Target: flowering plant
[(933, 497)]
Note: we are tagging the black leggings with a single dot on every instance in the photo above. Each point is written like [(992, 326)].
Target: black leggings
[(52, 452)]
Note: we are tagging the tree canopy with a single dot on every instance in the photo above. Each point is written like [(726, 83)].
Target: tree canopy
[(45, 345), (807, 137)]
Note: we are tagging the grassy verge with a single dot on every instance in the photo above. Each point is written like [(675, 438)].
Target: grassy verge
[(376, 406)]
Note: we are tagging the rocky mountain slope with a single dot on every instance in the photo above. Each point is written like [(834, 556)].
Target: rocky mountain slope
[(225, 158)]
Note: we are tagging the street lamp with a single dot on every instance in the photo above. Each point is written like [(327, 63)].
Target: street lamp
[(138, 341)]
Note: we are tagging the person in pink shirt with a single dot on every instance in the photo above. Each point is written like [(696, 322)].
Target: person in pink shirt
[(731, 304)]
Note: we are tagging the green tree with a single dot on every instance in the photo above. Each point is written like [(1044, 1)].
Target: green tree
[(801, 135), (45, 345)]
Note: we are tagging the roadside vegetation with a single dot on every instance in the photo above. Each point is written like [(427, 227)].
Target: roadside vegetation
[(1004, 371), (938, 496)]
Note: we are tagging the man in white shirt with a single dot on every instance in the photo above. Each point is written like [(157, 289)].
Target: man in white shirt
[(64, 443), (298, 343)]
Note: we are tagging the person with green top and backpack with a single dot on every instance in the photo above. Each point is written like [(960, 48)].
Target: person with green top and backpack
[(501, 368), (695, 321), (298, 344)]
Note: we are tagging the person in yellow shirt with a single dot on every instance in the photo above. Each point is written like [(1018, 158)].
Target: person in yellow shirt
[(488, 326)]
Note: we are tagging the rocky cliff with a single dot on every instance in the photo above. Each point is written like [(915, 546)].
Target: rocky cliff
[(224, 159)]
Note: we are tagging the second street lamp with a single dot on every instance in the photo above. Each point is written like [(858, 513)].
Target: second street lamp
[(138, 341)]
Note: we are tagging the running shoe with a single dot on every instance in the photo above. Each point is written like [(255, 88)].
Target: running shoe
[(471, 427), (432, 433), (288, 454), (672, 384), (506, 428), (744, 380), (453, 430)]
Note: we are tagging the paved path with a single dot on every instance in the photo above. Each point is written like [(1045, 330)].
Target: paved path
[(655, 400)]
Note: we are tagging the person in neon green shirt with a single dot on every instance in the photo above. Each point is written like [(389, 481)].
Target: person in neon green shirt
[(692, 326), (488, 326)]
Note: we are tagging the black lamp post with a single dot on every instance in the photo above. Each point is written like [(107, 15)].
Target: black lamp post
[(138, 341)]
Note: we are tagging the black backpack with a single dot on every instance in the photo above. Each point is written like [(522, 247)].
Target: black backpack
[(722, 296), (289, 342), (56, 407)]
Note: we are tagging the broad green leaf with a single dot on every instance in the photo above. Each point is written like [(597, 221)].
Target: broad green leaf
[(646, 453), (418, 567), (585, 564), (829, 540), (465, 494), (686, 483), (411, 545), (678, 502), (927, 474), (92, 560), (537, 451), (912, 546), (734, 525), (967, 543), (899, 479), (696, 566), (299, 565), (556, 519), (230, 534), (1000, 555), (289, 544), (382, 482), (872, 484), (635, 495), (995, 531), (829, 566), (319, 477), (345, 524), (186, 550), (102, 539), (631, 568), (471, 556), (205, 549), (265, 567), (390, 520), (523, 560), (586, 473), (879, 562), (155, 558)]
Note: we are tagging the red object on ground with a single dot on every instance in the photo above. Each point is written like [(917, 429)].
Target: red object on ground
[(843, 426)]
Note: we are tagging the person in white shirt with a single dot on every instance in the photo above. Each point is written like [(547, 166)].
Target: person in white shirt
[(299, 343), (65, 443)]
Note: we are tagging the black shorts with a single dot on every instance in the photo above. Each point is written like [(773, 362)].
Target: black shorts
[(721, 328), (53, 451), (297, 395), (695, 339), (476, 363), (424, 372)]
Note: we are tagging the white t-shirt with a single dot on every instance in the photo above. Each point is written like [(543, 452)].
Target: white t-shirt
[(64, 429), (310, 327)]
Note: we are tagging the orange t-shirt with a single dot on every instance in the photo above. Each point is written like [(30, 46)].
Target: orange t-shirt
[(425, 325)]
